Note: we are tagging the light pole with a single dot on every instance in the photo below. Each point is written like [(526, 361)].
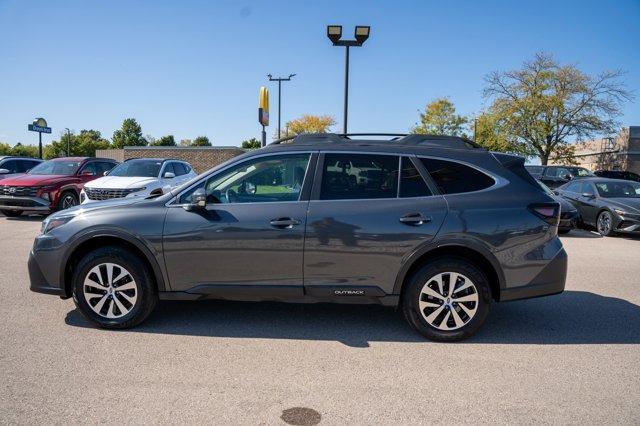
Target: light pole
[(361, 34), (68, 141), (279, 80)]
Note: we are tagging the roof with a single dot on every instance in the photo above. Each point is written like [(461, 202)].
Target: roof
[(397, 139), (18, 157)]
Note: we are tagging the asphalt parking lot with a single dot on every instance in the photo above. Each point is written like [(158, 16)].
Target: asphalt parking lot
[(572, 358)]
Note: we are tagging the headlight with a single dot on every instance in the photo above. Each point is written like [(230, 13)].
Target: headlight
[(51, 223), (620, 212)]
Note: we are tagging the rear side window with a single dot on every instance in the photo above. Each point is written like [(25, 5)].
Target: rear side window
[(359, 176), (411, 183), (456, 178), (536, 171), (11, 165), (573, 187), (180, 169)]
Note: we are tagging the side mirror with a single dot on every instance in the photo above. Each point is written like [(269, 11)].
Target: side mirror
[(4, 171), (588, 195), (198, 200), (170, 175), (567, 177), (105, 173)]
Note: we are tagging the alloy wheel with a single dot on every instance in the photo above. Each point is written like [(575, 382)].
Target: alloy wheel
[(448, 301), (68, 201), (110, 290), (604, 223)]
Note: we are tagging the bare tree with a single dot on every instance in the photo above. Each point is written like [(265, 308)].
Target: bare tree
[(545, 105)]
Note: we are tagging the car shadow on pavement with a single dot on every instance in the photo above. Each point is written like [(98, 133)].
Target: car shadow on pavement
[(581, 233), (38, 218), (573, 317)]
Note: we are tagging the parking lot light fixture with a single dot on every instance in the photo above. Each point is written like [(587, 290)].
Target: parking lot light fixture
[(361, 34)]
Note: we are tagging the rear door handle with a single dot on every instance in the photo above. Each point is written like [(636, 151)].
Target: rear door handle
[(414, 219), (284, 222)]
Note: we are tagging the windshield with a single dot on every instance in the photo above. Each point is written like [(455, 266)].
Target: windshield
[(66, 168), (618, 189), (579, 171), (137, 168)]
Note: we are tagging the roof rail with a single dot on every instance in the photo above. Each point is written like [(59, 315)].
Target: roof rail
[(396, 138)]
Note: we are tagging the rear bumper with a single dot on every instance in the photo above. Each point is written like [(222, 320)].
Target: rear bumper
[(568, 220), (38, 282), (550, 280), (32, 204)]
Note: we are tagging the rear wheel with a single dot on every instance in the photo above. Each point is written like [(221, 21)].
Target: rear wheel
[(604, 224), (113, 288), (447, 299), (12, 213)]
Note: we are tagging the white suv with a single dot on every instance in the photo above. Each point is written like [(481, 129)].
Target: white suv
[(138, 177)]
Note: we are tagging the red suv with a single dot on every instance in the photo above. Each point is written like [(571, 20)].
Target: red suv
[(51, 185)]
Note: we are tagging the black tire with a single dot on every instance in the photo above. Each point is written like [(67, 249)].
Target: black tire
[(563, 231), (413, 292), (605, 230), (146, 293), (12, 213), (67, 197)]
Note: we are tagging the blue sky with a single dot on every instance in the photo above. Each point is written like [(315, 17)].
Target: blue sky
[(192, 68)]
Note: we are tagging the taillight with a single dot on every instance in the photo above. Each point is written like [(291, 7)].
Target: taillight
[(549, 212)]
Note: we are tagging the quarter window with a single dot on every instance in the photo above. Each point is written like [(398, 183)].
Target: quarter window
[(411, 182), (573, 187), (265, 179), (359, 176), (455, 178)]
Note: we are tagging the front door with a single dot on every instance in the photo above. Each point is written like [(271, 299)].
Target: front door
[(361, 224), (249, 239)]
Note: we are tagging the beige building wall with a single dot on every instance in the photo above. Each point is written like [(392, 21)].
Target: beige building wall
[(201, 158)]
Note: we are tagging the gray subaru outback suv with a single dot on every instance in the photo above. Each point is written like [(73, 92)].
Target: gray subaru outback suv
[(433, 225)]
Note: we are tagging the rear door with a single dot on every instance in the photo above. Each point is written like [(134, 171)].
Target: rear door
[(364, 216)]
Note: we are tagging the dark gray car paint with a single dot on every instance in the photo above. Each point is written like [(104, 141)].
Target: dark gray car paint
[(349, 243)]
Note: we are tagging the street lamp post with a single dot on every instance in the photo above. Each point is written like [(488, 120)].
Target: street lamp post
[(279, 80), (361, 34), (68, 141)]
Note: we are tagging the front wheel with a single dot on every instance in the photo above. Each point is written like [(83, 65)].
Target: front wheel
[(113, 288), (605, 224), (447, 299), (67, 200)]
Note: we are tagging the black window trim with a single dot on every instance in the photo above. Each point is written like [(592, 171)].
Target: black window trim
[(498, 181), (304, 193)]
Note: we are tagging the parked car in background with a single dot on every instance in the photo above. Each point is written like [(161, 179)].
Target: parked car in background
[(554, 176), (51, 185), (610, 205), (141, 177), (618, 174), (569, 216), (435, 225), (10, 165)]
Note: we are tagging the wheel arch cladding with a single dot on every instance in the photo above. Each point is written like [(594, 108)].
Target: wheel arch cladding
[(92, 243), (458, 252)]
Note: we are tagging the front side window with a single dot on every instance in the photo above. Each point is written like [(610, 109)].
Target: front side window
[(411, 182), (454, 178), (359, 176), (580, 171), (557, 172), (56, 167), (265, 179), (620, 189)]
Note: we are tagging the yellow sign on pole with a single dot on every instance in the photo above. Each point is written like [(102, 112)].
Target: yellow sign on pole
[(263, 106)]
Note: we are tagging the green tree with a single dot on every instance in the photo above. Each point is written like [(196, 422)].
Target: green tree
[(5, 148), (440, 118), (165, 141), (490, 132), (24, 150), (545, 105), (129, 135), (252, 143), (83, 144), (201, 141)]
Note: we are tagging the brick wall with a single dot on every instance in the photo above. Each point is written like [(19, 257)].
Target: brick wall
[(201, 158)]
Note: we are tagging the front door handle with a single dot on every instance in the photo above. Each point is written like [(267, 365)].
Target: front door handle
[(414, 219), (284, 223)]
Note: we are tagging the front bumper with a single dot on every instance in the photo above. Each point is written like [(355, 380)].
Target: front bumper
[(550, 280), (628, 223), (32, 204), (38, 282)]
